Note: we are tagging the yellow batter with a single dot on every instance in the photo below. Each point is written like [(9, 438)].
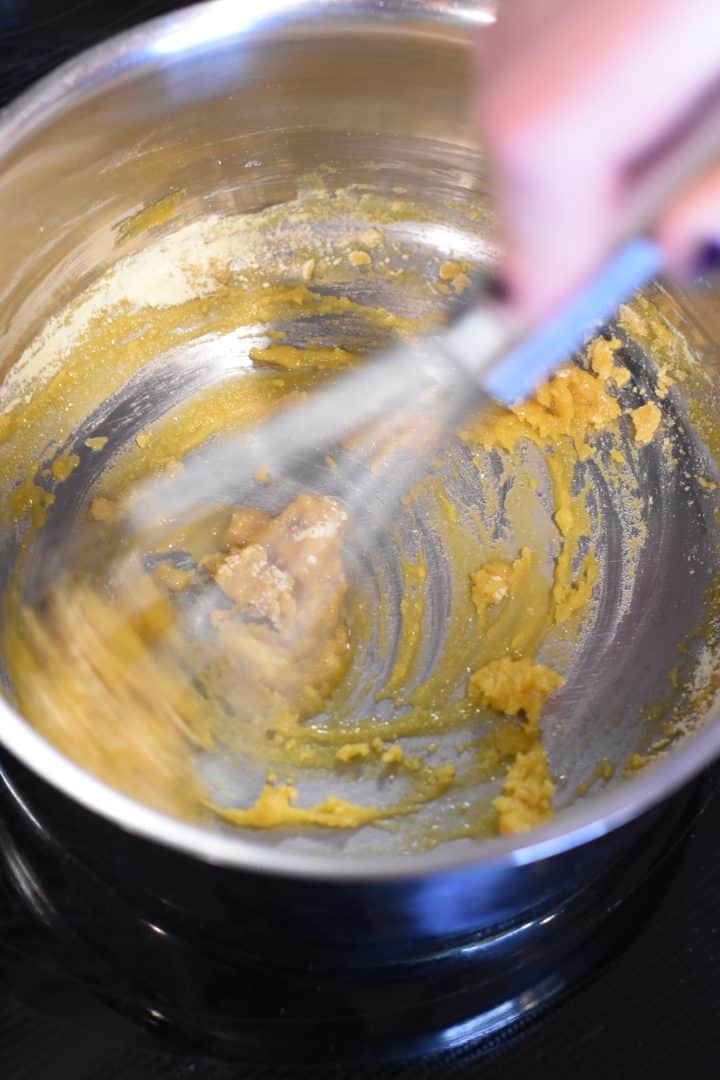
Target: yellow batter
[(106, 674)]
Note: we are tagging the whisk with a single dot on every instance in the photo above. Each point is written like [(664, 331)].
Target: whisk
[(395, 409), (483, 355)]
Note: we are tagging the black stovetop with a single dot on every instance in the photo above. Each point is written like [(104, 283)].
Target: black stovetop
[(653, 1011)]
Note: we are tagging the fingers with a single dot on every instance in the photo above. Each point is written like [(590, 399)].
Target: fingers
[(570, 110), (689, 232)]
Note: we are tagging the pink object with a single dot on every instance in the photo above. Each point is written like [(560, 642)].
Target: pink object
[(580, 103), (692, 224)]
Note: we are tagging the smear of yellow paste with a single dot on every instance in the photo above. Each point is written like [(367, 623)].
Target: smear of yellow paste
[(274, 808), (157, 213), (293, 358), (412, 608)]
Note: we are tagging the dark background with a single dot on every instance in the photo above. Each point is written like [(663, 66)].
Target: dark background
[(655, 1011)]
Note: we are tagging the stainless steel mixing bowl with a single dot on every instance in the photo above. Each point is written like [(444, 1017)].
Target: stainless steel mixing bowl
[(234, 103)]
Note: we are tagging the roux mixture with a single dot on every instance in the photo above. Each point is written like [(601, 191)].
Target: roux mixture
[(106, 668)]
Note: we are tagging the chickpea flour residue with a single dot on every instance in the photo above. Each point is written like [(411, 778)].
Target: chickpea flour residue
[(107, 671)]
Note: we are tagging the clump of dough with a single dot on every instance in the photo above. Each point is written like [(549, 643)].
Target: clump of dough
[(360, 259), (514, 686), (646, 420), (352, 752), (572, 404), (456, 274), (495, 581), (63, 466), (526, 800), (601, 357), (283, 645), (97, 442), (173, 578), (490, 584)]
